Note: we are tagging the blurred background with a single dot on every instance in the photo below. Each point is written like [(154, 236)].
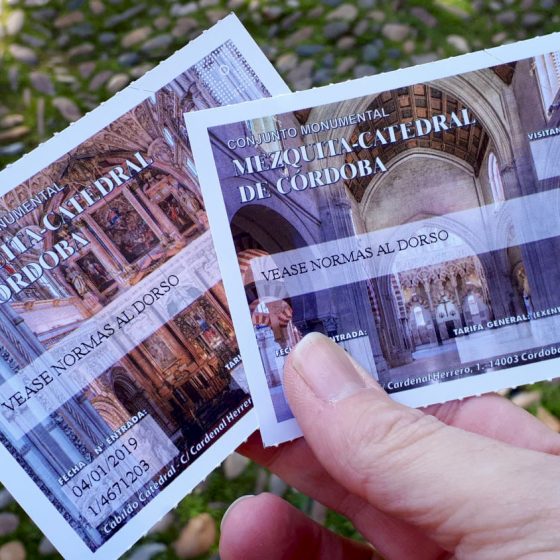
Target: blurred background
[(60, 59)]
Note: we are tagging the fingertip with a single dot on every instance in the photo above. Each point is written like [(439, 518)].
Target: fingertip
[(237, 527), (243, 523), (307, 347), (299, 350), (267, 527), (233, 510), (326, 370)]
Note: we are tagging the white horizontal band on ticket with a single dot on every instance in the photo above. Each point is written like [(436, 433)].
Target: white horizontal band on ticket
[(69, 366), (408, 246)]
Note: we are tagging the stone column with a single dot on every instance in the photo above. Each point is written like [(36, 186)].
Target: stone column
[(397, 349), (161, 235), (84, 420), (350, 303), (268, 347), (111, 248), (541, 264), (498, 281), (106, 258), (458, 298), (149, 389), (164, 223)]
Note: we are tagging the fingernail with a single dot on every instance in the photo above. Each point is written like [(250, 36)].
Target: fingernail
[(326, 368), (232, 506)]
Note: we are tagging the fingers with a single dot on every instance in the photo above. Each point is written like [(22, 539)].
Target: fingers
[(295, 463), (266, 526), (489, 415), (448, 482), (498, 418)]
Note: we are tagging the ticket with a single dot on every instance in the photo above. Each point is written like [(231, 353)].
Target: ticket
[(121, 385), (411, 216)]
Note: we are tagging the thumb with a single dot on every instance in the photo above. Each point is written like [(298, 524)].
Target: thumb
[(456, 486)]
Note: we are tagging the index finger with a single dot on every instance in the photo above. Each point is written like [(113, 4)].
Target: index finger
[(498, 418)]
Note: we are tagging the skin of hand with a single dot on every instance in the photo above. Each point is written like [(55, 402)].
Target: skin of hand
[(473, 479)]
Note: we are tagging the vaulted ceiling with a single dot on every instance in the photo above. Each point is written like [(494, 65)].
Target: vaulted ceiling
[(411, 103)]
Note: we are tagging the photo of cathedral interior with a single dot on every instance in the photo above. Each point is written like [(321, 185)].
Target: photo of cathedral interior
[(181, 374), (409, 319)]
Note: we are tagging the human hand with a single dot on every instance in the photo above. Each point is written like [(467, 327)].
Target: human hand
[(473, 479)]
